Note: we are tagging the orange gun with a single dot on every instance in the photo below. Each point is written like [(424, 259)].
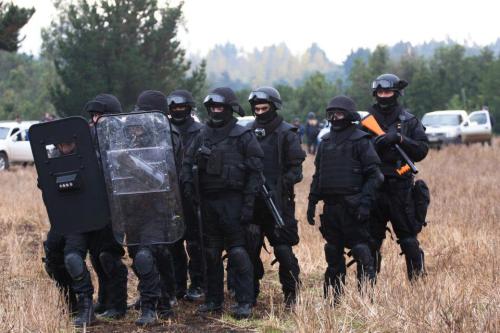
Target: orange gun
[(371, 123)]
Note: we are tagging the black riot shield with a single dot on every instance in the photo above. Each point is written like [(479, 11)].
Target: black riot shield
[(138, 161), (69, 175)]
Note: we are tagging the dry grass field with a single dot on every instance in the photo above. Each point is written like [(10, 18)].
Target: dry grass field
[(461, 292)]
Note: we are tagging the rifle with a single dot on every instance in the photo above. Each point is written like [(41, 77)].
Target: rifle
[(268, 198), (371, 123)]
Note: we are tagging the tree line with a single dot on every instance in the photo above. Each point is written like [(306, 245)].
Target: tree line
[(126, 46)]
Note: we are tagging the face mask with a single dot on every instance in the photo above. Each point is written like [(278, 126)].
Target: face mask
[(387, 102), (220, 118), (338, 125), (266, 117), (180, 117)]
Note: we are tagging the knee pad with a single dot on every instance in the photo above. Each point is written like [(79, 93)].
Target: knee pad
[(75, 266), (143, 262), (410, 248), (238, 256), (362, 254)]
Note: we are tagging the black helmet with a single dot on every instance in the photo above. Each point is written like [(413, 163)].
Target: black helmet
[(266, 95), (151, 100), (103, 103), (180, 97), (388, 82), (344, 104), (223, 96)]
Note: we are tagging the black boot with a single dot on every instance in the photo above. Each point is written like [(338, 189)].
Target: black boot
[(112, 314), (85, 316), (148, 314), (242, 311), (209, 307), (194, 294), (164, 309)]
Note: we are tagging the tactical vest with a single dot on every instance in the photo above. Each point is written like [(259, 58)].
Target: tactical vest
[(271, 161), (340, 171), (222, 165)]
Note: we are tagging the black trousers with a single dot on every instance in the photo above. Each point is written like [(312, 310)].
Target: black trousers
[(190, 262), (113, 279), (281, 239), (223, 230), (153, 266), (341, 229), (395, 204)]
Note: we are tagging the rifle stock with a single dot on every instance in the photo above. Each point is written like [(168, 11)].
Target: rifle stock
[(371, 123)]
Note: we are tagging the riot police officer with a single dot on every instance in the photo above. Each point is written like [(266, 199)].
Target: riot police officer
[(395, 200), (346, 178), (283, 157), (229, 162), (153, 263), (180, 107), (65, 255)]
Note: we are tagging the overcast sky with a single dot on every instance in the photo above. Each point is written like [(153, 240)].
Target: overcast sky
[(336, 26)]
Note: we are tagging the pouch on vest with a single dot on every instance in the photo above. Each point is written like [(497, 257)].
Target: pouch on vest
[(421, 199), (214, 163)]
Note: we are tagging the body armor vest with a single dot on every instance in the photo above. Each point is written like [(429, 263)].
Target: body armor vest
[(340, 172), (272, 165), (222, 165)]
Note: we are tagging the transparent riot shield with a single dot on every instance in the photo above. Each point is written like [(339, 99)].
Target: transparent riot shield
[(138, 162)]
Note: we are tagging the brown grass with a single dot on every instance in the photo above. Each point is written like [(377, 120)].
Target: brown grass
[(460, 293)]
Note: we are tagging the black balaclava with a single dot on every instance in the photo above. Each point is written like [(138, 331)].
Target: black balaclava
[(181, 117), (339, 125), (345, 105), (219, 119), (265, 118), (387, 104)]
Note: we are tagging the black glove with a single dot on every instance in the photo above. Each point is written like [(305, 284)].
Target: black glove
[(311, 211), (363, 213), (384, 140), (246, 214)]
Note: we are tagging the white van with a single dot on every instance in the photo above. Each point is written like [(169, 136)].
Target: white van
[(445, 127), (14, 143), (478, 129)]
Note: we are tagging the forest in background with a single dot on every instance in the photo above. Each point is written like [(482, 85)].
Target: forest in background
[(86, 51)]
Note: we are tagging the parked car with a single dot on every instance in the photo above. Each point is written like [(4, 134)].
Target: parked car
[(445, 127), (456, 126), (478, 129), (326, 127), (14, 143)]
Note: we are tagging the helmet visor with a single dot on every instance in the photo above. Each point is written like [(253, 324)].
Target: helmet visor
[(175, 99), (382, 84), (214, 99), (258, 95)]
